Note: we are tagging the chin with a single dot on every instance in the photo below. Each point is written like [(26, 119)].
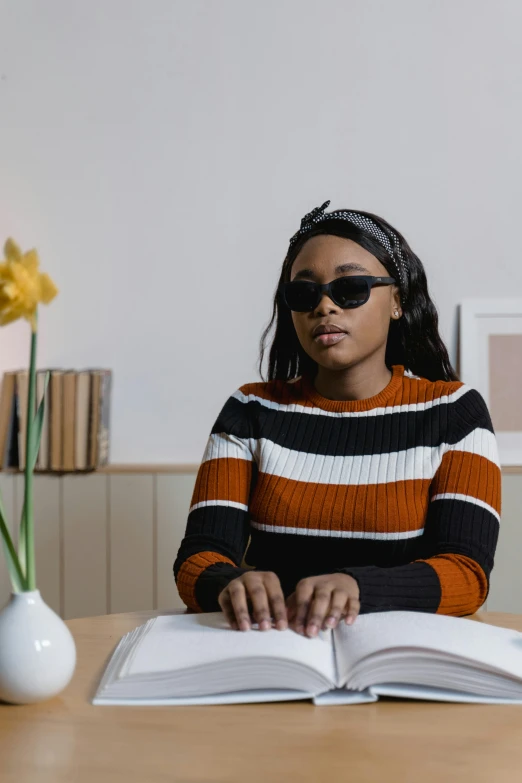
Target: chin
[(331, 360)]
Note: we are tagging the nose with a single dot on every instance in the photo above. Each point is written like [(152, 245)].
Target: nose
[(326, 305)]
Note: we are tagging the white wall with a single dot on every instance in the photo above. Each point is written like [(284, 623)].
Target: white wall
[(160, 154)]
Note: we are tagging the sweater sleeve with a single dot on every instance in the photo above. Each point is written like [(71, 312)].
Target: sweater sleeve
[(461, 525), (217, 529)]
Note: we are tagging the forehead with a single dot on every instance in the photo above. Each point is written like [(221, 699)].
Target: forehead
[(327, 255)]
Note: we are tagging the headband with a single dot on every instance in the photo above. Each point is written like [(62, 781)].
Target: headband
[(361, 221)]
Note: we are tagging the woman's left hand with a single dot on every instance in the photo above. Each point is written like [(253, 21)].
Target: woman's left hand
[(319, 603)]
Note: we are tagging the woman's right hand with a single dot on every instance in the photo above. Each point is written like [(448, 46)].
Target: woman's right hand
[(263, 590)]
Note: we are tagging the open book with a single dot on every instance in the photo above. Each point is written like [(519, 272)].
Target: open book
[(198, 659)]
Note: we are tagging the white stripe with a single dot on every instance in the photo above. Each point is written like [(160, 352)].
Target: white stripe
[(419, 462), (446, 399), (222, 444), (479, 441), (467, 498), (306, 531), (228, 503)]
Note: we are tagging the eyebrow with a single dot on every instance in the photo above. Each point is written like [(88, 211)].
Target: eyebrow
[(351, 266)]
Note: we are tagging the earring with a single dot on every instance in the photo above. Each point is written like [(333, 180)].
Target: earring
[(396, 313)]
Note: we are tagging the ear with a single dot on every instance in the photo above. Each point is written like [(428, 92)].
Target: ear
[(396, 302)]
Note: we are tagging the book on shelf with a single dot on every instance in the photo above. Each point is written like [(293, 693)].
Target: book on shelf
[(21, 393), (8, 419), (42, 461), (100, 418), (76, 422), (68, 420), (55, 402), (83, 399), (190, 659)]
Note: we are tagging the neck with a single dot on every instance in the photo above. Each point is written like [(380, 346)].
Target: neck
[(357, 382)]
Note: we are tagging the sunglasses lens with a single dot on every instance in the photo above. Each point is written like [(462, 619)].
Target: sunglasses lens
[(350, 291), (301, 296)]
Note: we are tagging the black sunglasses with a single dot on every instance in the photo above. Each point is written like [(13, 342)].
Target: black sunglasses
[(302, 296)]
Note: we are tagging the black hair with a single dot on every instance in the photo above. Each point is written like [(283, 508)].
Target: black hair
[(413, 339)]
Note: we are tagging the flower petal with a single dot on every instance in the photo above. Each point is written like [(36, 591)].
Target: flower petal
[(12, 251), (48, 289), (8, 316), (30, 261)]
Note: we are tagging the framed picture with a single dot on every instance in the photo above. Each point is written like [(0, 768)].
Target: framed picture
[(490, 348)]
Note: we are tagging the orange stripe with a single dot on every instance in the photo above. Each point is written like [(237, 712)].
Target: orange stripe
[(422, 390), (413, 391), (378, 508), (225, 478), (470, 474), (463, 583), (282, 392), (191, 570)]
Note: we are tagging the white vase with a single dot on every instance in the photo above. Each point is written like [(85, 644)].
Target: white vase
[(37, 650)]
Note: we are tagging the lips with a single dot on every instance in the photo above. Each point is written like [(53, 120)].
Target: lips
[(327, 329), (330, 338)]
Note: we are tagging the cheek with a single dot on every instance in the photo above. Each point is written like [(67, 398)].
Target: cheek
[(370, 325), (302, 328)]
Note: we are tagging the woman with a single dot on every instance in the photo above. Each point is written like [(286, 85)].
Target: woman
[(362, 474)]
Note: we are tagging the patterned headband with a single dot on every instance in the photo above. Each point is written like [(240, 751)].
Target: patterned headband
[(361, 221)]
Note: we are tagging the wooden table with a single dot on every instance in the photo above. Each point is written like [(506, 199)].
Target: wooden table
[(67, 739)]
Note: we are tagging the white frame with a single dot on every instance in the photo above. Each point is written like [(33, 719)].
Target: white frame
[(478, 319)]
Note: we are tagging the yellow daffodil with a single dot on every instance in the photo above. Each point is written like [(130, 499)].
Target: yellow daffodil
[(22, 286)]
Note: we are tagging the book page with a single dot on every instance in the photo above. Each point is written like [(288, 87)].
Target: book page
[(177, 642), (485, 646)]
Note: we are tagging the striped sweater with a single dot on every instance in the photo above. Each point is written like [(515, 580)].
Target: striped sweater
[(401, 490)]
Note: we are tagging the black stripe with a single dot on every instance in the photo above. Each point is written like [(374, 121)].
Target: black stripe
[(358, 435), (219, 529), (293, 556), (460, 527), (414, 587), (467, 413), (212, 581)]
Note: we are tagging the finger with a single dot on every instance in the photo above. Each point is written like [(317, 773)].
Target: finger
[(336, 609), (238, 598), (276, 600), (303, 595), (258, 596), (291, 608), (226, 606), (317, 610), (352, 609)]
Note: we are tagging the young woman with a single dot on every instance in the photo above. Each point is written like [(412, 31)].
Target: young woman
[(362, 474)]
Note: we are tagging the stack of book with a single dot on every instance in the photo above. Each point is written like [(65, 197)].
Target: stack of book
[(75, 432)]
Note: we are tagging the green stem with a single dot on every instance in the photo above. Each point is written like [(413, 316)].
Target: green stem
[(13, 564), (28, 494)]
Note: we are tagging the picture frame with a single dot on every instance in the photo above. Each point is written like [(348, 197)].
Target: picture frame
[(490, 360)]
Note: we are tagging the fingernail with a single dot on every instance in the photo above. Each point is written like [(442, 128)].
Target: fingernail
[(282, 625), (312, 630), (245, 625), (265, 625), (330, 622), (349, 620)]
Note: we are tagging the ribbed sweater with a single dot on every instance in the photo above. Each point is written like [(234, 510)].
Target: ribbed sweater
[(401, 490)]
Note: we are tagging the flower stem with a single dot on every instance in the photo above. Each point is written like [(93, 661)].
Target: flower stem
[(29, 468)]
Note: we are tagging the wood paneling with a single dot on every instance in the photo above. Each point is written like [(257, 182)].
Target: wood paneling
[(173, 497), (505, 594), (131, 512), (85, 545)]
